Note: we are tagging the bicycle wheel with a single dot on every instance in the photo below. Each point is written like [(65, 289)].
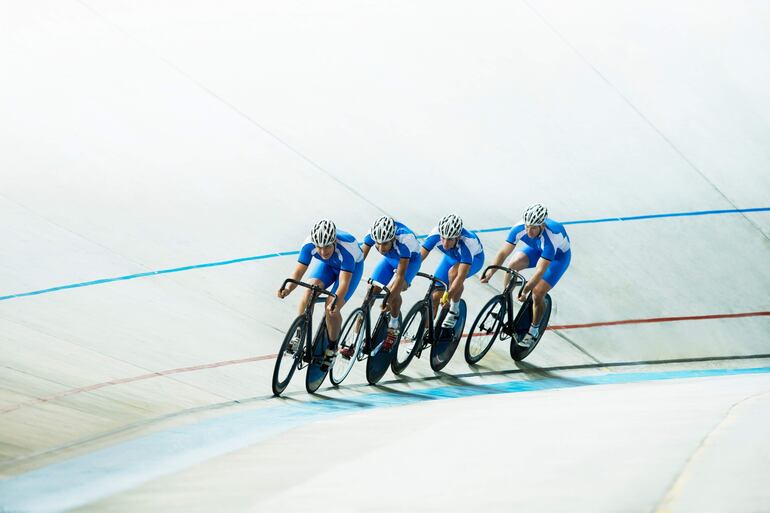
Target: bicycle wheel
[(349, 338), (379, 358), (286, 362), (485, 329), (521, 326), (411, 338), (448, 339), (316, 373)]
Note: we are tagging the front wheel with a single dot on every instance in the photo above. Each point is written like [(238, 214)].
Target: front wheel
[(485, 329), (352, 336), (288, 358), (411, 338)]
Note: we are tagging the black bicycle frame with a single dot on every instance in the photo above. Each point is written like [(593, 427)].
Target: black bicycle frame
[(428, 299), (507, 293), (308, 313), (369, 300)]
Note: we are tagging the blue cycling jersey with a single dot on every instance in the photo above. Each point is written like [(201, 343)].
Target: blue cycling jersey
[(404, 246), (553, 243), (346, 253), (468, 246)]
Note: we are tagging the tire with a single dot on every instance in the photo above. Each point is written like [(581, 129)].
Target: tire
[(315, 374), (379, 360), (442, 350), (411, 338), (285, 362), (485, 329), (342, 366), (518, 353)]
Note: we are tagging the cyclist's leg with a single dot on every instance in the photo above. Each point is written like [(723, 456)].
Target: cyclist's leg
[(551, 277), (322, 275), (395, 300), (523, 258), (442, 273), (334, 321), (476, 265)]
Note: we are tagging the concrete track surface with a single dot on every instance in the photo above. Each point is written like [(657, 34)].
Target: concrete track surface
[(161, 161)]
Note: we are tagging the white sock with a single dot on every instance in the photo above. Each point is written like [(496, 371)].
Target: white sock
[(453, 306), (393, 322), (533, 330)]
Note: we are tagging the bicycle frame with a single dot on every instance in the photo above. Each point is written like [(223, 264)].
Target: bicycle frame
[(428, 300), (369, 300), (307, 346), (507, 293)]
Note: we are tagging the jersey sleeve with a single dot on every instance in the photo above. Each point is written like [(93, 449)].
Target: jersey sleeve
[(368, 240), (515, 234), (306, 253), (431, 240)]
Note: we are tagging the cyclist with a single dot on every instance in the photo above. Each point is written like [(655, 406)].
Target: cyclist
[(463, 257), (341, 263), (546, 247), (398, 244)]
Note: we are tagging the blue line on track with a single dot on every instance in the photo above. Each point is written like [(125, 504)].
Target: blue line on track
[(289, 253), (85, 479)]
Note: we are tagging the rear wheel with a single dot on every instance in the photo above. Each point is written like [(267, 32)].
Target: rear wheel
[(485, 329), (352, 336), (518, 353), (447, 339), (380, 358), (316, 371), (286, 361), (410, 340)]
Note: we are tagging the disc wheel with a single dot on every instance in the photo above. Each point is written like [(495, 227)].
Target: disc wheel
[(286, 361), (380, 358), (410, 340), (518, 353), (316, 373), (353, 337), (447, 339), (485, 329)]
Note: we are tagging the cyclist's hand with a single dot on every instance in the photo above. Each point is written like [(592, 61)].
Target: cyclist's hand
[(523, 293), (331, 308), (485, 278), (282, 293)]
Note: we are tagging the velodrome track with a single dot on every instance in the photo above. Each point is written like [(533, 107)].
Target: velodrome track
[(162, 161)]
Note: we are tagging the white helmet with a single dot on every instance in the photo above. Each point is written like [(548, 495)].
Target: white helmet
[(324, 233), (535, 215), (384, 230), (450, 226)]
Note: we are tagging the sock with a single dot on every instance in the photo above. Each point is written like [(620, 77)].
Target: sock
[(453, 306), (533, 330), (393, 323), (332, 345)]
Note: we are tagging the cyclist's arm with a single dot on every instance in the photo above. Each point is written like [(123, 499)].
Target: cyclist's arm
[(366, 248), (424, 252), (298, 273), (504, 252)]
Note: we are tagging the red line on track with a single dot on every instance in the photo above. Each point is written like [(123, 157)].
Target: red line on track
[(657, 320), (97, 386)]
